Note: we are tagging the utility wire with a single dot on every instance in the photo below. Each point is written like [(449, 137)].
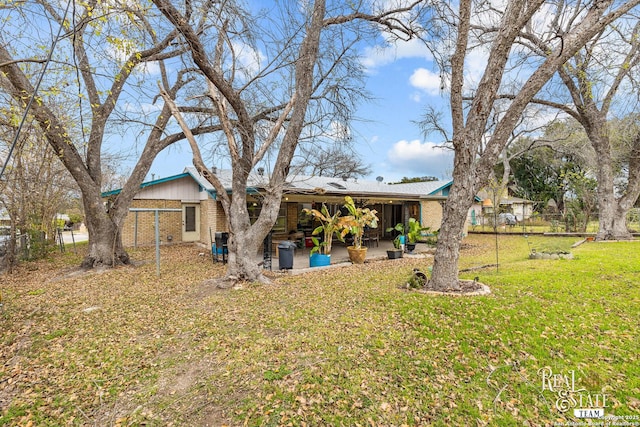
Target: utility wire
[(35, 90)]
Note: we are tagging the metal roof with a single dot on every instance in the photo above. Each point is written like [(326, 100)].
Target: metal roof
[(330, 185), (302, 184)]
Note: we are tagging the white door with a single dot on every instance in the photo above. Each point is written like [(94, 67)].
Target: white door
[(190, 222)]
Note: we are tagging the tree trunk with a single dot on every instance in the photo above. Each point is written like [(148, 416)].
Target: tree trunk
[(244, 242), (619, 227), (613, 225), (242, 258), (445, 263), (105, 241), (246, 239), (612, 221), (613, 210)]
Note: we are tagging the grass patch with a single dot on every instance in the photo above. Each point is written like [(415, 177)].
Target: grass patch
[(338, 347)]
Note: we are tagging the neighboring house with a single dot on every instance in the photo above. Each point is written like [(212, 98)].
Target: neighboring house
[(4, 217), (521, 208), (198, 214), (482, 210)]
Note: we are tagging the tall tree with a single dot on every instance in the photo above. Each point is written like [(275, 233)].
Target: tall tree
[(538, 165), (597, 80), (303, 82), (101, 59), (34, 188), (479, 137), (332, 161)]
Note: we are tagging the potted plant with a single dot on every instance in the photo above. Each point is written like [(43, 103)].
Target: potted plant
[(355, 223), (320, 254), (414, 233), (398, 241)]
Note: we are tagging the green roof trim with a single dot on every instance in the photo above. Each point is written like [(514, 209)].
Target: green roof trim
[(441, 188), (447, 186)]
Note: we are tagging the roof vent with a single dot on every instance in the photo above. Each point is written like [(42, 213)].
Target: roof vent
[(214, 170), (338, 186), (260, 171)]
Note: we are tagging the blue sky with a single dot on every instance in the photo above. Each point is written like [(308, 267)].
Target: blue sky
[(393, 143), (402, 80)]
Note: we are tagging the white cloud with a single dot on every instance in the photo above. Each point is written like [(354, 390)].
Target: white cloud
[(426, 81), (416, 97), (475, 66), (121, 53), (379, 56), (337, 131), (416, 158), (143, 108), (151, 68), (249, 59)]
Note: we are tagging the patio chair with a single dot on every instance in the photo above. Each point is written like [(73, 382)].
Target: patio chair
[(371, 235), (219, 247)]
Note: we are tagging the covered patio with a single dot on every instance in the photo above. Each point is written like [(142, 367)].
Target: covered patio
[(340, 257)]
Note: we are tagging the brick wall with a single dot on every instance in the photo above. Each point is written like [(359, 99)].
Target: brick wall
[(292, 216), (170, 223), (431, 214), (220, 217), (212, 219), (204, 221)]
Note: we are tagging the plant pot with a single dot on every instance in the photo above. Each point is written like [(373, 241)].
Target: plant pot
[(394, 254), (357, 255), (411, 247), (319, 260)]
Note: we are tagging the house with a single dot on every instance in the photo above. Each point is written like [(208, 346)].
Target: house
[(5, 219), (189, 211), (482, 211)]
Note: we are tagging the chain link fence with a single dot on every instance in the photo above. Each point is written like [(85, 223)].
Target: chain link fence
[(26, 246), (537, 223), (549, 223)]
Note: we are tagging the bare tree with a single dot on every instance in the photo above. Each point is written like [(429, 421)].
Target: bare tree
[(301, 85), (333, 161), (99, 61), (479, 136), (35, 188), (593, 79)]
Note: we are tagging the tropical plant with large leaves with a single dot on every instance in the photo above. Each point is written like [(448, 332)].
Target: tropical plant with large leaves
[(329, 225), (358, 219)]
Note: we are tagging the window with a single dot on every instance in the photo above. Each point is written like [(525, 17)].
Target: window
[(280, 226), (281, 222), (189, 218), (305, 221)]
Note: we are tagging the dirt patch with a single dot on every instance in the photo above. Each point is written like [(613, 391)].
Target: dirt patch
[(464, 288), (210, 287)]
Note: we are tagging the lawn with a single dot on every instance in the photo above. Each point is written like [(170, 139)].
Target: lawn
[(335, 347)]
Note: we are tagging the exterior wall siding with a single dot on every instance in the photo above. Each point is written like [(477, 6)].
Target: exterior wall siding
[(184, 189)]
